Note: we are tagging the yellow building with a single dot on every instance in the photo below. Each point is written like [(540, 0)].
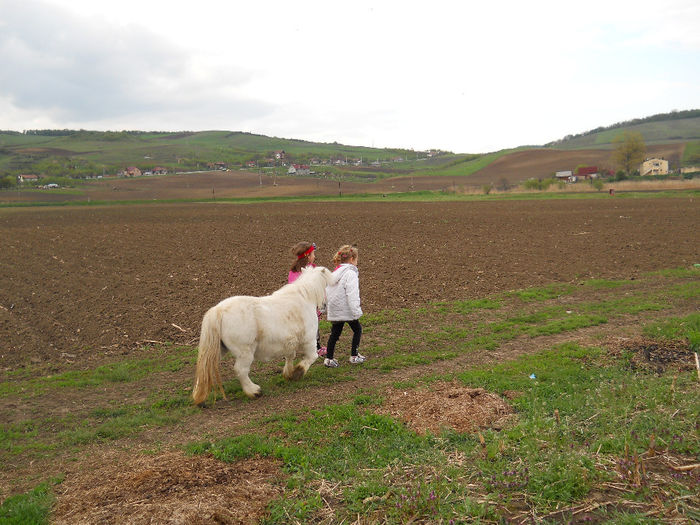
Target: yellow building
[(654, 167)]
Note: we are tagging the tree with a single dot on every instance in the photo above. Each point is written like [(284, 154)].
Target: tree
[(629, 151)]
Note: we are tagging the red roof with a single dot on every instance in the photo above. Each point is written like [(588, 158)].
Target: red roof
[(587, 170)]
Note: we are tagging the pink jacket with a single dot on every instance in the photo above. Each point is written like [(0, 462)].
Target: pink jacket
[(293, 276)]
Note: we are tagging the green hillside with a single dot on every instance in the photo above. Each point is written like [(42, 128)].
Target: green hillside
[(81, 154), (679, 126)]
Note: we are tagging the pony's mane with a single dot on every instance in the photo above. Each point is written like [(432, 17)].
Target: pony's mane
[(310, 285)]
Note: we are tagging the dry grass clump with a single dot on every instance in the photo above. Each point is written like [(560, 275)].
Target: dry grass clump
[(653, 355), (447, 405), (169, 488)]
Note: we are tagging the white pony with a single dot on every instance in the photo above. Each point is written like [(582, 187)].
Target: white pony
[(282, 324)]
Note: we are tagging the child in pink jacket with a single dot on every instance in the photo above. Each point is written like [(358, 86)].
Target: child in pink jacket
[(305, 254)]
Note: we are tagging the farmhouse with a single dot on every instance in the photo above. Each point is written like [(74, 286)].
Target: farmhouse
[(298, 169), (27, 178), (565, 176), (159, 170), (132, 171), (654, 167), (587, 172)]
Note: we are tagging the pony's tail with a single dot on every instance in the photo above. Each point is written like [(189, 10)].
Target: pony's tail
[(207, 375)]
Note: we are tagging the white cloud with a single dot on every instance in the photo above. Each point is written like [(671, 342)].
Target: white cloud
[(397, 74)]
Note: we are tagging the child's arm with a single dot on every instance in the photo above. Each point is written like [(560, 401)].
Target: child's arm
[(352, 290)]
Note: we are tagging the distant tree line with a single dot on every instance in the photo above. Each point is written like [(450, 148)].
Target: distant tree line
[(85, 132)]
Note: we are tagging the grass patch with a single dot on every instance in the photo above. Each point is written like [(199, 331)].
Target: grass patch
[(126, 371), (99, 425), (544, 293), (579, 419), (693, 271), (687, 327), (31, 508)]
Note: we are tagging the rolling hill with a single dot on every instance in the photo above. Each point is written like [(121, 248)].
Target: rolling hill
[(67, 154)]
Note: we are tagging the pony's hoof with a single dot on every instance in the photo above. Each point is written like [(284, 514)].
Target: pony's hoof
[(254, 395), (297, 373)]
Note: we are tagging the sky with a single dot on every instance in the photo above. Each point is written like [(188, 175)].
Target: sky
[(449, 75)]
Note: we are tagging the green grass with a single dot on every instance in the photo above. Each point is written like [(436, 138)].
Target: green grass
[(544, 293), (31, 508), (416, 196), (125, 371), (379, 466), (607, 412), (691, 153), (677, 328), (106, 423)]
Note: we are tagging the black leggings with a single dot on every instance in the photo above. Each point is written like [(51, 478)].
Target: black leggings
[(337, 329)]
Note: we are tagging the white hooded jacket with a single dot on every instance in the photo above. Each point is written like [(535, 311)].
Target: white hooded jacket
[(343, 294)]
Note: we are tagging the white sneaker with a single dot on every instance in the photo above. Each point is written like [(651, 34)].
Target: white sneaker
[(357, 359), (330, 363)]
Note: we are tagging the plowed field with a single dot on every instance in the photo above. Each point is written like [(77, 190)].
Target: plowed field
[(89, 283)]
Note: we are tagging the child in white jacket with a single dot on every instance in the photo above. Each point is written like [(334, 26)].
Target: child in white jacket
[(343, 304)]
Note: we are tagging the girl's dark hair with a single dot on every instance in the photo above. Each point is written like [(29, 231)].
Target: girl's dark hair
[(299, 249)]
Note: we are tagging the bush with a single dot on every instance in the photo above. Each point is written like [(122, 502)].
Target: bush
[(7, 182), (534, 184)]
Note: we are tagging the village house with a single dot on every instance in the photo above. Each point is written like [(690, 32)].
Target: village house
[(565, 176), (132, 171), (27, 178), (159, 170), (587, 172), (221, 166), (280, 155), (298, 169), (654, 167), (250, 164)]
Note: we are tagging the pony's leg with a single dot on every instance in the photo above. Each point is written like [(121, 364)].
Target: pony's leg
[(242, 369), (309, 356), (288, 370)]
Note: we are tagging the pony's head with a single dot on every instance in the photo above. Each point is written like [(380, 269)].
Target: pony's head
[(311, 284)]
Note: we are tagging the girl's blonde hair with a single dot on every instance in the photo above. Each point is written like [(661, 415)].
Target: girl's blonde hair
[(344, 254), (301, 251)]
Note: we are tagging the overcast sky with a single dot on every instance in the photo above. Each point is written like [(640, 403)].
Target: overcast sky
[(432, 74)]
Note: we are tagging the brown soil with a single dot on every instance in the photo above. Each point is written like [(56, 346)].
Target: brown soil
[(91, 283)]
